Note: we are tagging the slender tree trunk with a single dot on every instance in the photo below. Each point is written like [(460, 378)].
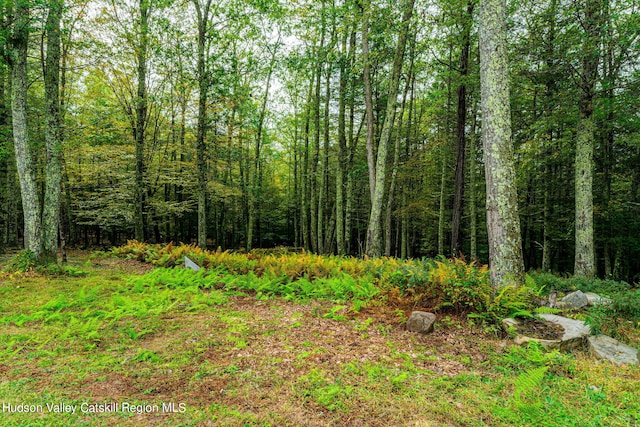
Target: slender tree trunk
[(456, 241), (141, 116), (24, 157), (4, 160), (547, 244), (374, 235), (585, 264), (342, 150), (53, 137), (306, 179), (396, 161), (255, 173), (473, 208), (352, 142), (324, 178), (503, 223), (202, 13), (368, 100), (441, 203)]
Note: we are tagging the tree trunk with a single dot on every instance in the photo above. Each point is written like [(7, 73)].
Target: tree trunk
[(4, 159), (473, 209), (374, 235), (441, 206), (503, 223), (202, 12), (396, 160), (140, 124), (585, 264), (342, 150), (305, 202), (24, 157), (324, 172), (255, 172), (53, 136), (459, 181)]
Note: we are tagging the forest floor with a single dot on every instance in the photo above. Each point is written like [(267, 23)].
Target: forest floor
[(119, 353)]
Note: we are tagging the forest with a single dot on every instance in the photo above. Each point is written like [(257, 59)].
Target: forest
[(320, 213), (348, 127)]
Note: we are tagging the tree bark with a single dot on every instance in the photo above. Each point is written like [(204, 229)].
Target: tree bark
[(585, 264), (53, 136), (342, 149), (4, 159), (141, 116), (202, 13), (456, 241), (503, 223), (25, 162)]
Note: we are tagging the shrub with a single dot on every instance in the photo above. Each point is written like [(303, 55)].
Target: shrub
[(462, 287), (23, 261)]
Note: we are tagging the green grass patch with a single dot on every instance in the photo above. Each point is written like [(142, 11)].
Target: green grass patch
[(264, 350)]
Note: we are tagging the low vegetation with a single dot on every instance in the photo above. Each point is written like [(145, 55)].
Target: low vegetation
[(276, 339)]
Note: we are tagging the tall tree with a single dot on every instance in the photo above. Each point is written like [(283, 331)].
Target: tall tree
[(53, 137), (144, 9), (585, 260), (461, 125), (17, 53), (503, 223), (202, 75)]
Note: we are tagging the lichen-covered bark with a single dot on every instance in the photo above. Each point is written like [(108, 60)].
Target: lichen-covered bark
[(585, 253), (53, 170), (3, 157), (24, 157), (503, 224), (584, 264)]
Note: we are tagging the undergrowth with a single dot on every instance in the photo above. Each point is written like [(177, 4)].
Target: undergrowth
[(441, 285), (26, 261)]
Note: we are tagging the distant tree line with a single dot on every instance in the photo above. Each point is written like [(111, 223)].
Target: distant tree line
[(346, 127)]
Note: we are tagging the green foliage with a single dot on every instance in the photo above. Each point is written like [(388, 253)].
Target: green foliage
[(331, 394), (552, 282), (622, 314), (533, 355), (23, 261), (26, 261)]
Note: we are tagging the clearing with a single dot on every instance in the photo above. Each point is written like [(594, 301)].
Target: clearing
[(119, 352)]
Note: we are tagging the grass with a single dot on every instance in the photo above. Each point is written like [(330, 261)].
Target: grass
[(235, 352)]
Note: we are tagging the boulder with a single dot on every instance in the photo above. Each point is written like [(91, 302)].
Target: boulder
[(574, 300), (595, 299), (605, 347), (421, 322), (190, 264), (575, 333)]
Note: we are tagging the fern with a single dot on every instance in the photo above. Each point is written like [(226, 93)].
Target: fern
[(547, 310), (528, 383)]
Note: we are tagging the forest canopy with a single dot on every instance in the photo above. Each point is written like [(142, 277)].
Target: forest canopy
[(344, 127)]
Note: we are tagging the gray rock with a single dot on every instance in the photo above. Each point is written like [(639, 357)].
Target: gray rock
[(509, 323), (421, 322), (190, 264), (605, 347), (574, 300), (574, 336), (575, 331), (595, 299)]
